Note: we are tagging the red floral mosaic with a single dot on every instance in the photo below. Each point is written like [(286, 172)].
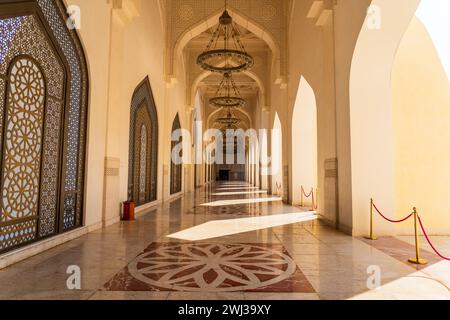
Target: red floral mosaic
[(204, 267)]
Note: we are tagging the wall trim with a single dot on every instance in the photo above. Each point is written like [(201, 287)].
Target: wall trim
[(142, 210), (36, 248)]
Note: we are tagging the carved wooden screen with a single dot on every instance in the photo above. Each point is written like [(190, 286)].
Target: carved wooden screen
[(143, 156), (43, 105), (176, 169)]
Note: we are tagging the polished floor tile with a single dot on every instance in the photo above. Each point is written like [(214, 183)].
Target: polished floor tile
[(229, 247)]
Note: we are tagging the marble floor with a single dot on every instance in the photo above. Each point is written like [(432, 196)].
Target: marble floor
[(229, 241)]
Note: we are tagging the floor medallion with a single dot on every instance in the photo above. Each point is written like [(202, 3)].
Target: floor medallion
[(216, 267)]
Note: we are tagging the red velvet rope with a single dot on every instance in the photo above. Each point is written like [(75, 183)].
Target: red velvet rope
[(429, 241), (421, 226), (309, 195), (390, 220)]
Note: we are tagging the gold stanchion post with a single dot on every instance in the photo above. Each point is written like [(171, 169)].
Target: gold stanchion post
[(371, 236), (417, 259), (316, 205), (301, 195)]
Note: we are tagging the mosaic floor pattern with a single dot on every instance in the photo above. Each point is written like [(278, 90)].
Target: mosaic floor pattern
[(237, 210), (204, 267)]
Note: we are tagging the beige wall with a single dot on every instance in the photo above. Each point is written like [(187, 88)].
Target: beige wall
[(311, 56), (346, 32), (371, 116), (95, 16), (137, 48), (421, 107)]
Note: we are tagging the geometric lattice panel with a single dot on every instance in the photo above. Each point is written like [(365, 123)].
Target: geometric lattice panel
[(17, 234), (142, 184), (43, 85)]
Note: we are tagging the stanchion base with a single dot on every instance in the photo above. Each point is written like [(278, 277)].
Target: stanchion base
[(370, 238), (420, 261)]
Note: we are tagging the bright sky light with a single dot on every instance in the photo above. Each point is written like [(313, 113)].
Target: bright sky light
[(434, 14)]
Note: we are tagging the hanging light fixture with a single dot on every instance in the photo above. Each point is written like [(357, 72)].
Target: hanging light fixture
[(229, 119), (227, 95), (232, 57)]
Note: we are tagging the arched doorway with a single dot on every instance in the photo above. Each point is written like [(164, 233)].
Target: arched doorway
[(143, 174), (420, 106), (176, 168), (304, 133), (197, 127), (43, 107), (277, 157), (371, 119)]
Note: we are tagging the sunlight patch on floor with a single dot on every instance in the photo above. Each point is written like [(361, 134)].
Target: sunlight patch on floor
[(401, 289), (240, 201), (236, 193), (221, 228)]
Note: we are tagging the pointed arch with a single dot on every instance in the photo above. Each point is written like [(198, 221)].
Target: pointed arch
[(237, 110), (143, 172), (370, 112), (191, 91), (176, 169), (304, 133), (277, 156)]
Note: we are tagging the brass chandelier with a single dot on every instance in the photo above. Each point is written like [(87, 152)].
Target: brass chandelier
[(230, 58), (227, 95), (229, 119)]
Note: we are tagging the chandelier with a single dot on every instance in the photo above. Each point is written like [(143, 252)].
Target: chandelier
[(230, 58), (228, 94), (228, 120)]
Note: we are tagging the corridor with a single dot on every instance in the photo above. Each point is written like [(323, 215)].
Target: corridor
[(227, 241)]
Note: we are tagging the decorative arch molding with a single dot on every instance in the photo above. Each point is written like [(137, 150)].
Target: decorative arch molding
[(143, 171), (176, 169), (260, 28), (38, 49)]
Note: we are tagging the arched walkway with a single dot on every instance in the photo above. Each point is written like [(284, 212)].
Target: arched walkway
[(371, 119), (420, 103), (304, 138), (277, 157)]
